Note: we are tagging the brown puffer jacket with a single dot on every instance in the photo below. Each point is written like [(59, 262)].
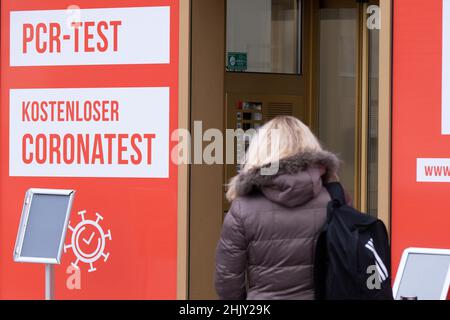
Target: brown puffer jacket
[(266, 249)]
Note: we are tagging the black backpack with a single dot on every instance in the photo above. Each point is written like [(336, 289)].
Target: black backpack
[(352, 259)]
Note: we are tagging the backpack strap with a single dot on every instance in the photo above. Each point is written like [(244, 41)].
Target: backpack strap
[(336, 192)]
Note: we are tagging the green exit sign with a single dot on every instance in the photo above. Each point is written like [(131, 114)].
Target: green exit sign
[(237, 61)]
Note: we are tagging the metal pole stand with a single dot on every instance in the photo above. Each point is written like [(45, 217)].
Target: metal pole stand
[(49, 282)]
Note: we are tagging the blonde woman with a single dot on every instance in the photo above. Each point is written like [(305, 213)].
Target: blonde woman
[(266, 249)]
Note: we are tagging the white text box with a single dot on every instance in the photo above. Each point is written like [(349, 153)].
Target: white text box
[(446, 68), (94, 132), (102, 36), (433, 170)]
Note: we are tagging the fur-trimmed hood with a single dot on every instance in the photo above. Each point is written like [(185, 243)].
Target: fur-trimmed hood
[(297, 180)]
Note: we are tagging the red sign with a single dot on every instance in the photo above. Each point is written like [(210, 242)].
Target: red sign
[(89, 97), (421, 140)]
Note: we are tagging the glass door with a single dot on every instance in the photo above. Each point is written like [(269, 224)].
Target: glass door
[(348, 95), (338, 41)]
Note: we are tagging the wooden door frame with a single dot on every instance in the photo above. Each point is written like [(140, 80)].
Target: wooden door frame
[(208, 71), (207, 102), (385, 114), (183, 169)]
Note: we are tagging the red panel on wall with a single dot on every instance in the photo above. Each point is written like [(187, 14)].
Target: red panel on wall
[(122, 66), (420, 146)]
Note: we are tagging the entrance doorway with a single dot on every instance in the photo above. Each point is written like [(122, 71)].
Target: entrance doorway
[(252, 60)]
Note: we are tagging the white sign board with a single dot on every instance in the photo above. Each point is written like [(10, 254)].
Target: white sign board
[(446, 68), (90, 36), (433, 170), (90, 132)]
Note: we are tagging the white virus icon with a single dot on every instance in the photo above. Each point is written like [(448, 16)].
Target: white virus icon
[(88, 231)]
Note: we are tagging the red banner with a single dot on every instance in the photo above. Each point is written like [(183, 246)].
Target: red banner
[(421, 126), (89, 97)]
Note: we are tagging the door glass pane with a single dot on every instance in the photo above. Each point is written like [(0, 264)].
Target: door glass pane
[(372, 152), (264, 36), (337, 93)]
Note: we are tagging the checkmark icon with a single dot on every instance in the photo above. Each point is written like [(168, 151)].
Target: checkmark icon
[(90, 239)]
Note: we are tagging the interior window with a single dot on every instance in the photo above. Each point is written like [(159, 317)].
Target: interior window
[(264, 36)]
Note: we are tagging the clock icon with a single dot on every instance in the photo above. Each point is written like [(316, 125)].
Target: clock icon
[(88, 241)]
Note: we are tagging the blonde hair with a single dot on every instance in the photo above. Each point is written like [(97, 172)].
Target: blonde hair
[(293, 137)]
